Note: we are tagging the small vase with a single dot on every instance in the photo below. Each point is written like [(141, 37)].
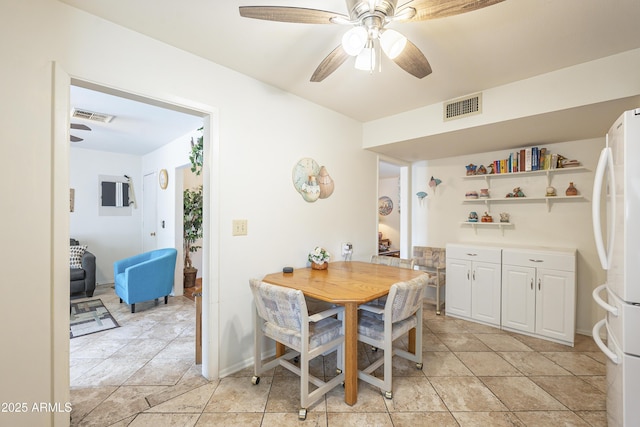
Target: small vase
[(316, 266), (571, 190)]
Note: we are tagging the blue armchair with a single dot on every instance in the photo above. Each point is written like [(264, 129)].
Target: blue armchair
[(145, 276)]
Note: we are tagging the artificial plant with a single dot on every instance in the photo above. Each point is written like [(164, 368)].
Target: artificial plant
[(192, 222)]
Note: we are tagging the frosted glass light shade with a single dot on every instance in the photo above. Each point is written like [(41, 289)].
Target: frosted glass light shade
[(366, 60), (354, 40), (392, 43)]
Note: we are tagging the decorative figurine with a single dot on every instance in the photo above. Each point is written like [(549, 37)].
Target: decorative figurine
[(421, 195), (481, 170), (486, 217), (571, 190), (490, 169), (471, 169), (550, 191), (504, 217), (434, 182), (517, 192), (484, 193), (473, 217)]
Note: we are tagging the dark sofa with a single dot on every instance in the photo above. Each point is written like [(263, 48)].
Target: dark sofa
[(83, 280)]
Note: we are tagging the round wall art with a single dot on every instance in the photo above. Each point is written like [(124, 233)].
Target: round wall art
[(385, 205)]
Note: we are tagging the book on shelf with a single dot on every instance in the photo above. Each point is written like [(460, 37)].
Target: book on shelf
[(527, 159)]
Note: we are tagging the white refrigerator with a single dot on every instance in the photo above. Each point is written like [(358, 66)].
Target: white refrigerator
[(617, 234)]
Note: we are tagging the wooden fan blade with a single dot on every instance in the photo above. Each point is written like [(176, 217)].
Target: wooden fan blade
[(75, 138), (329, 64), (79, 126), (433, 9), (413, 61), (289, 14)]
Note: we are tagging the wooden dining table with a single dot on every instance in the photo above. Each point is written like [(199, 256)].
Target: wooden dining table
[(346, 283)]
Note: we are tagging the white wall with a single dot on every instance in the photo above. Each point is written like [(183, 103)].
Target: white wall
[(109, 238), (261, 133), (568, 224), (389, 225)]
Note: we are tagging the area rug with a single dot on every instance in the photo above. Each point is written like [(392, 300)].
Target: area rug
[(88, 317)]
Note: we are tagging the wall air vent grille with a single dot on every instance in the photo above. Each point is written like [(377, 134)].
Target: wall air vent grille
[(463, 107), (91, 115)]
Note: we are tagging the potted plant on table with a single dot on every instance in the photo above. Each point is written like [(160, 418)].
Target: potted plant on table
[(319, 258)]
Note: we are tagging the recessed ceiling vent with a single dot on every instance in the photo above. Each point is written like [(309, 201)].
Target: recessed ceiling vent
[(91, 115), (463, 107)]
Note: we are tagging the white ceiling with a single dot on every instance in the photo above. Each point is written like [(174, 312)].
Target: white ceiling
[(499, 44), (137, 128)]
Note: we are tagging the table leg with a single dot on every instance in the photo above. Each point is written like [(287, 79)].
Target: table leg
[(280, 349), (351, 353), (412, 341)]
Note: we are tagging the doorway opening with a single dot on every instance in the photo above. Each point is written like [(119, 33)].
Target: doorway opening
[(394, 208), (166, 202)]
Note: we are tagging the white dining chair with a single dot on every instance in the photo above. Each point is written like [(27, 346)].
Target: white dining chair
[(380, 326), (434, 262), (281, 315)]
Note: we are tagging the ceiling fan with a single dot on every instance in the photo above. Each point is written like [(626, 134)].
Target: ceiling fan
[(77, 126), (368, 19)]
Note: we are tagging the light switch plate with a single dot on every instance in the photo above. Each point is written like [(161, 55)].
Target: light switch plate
[(239, 227)]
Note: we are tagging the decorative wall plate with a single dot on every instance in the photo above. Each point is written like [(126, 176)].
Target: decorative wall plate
[(304, 179), (385, 205)]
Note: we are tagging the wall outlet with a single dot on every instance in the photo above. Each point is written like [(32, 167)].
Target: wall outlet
[(239, 227), (347, 249)]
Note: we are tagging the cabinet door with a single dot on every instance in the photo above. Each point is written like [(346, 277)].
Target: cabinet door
[(458, 287), (555, 304), (485, 292), (519, 298)]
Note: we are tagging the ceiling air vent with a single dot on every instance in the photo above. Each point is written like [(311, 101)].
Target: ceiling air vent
[(463, 107), (91, 115)]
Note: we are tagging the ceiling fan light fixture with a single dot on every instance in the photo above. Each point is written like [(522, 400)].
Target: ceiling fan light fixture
[(354, 40), (366, 60), (392, 43)]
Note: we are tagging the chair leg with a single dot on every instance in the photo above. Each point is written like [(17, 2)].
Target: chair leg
[(120, 300), (133, 308), (166, 299)]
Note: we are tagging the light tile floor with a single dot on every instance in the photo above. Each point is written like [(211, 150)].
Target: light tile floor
[(143, 373)]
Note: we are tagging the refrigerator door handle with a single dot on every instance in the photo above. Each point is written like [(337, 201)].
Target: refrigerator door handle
[(596, 337), (596, 296), (604, 162)]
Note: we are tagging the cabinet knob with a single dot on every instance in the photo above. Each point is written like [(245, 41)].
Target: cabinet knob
[(153, 234), (531, 283), (538, 284)]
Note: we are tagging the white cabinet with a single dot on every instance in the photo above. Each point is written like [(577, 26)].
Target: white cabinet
[(539, 292), (473, 283)]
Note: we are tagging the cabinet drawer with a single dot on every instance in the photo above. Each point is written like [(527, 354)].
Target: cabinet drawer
[(555, 260), (474, 253)]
